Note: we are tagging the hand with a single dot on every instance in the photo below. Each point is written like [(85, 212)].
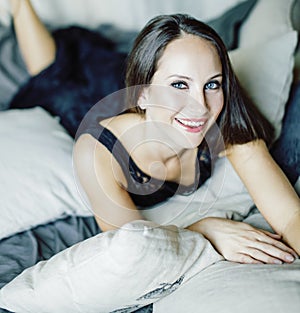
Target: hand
[(243, 243)]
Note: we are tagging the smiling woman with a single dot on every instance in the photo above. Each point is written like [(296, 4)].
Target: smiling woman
[(179, 84), (181, 88)]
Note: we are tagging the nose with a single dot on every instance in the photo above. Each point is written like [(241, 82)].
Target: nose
[(199, 97), (196, 104)]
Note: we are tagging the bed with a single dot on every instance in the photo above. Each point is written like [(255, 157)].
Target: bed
[(54, 257)]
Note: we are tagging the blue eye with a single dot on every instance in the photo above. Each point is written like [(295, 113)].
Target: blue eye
[(180, 85), (212, 85)]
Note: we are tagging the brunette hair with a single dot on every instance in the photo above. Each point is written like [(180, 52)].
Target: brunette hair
[(239, 120)]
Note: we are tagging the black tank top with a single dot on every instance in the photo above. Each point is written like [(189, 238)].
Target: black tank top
[(143, 189)]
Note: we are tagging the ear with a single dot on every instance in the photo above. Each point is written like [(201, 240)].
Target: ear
[(143, 99)]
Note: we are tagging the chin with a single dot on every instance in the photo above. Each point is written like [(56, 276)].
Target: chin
[(192, 140), (192, 143)]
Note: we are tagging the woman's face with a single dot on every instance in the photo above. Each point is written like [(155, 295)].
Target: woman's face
[(186, 90)]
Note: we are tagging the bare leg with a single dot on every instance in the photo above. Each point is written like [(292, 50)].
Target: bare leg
[(36, 43)]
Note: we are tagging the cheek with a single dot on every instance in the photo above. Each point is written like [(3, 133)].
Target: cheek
[(159, 113), (215, 104)]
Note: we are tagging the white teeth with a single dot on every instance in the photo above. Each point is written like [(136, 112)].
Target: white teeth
[(191, 123)]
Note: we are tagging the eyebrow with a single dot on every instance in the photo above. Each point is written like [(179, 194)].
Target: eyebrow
[(217, 75), (189, 78)]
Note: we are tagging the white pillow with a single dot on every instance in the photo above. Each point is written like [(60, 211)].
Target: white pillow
[(120, 269), (269, 61), (266, 72), (229, 287), (37, 183)]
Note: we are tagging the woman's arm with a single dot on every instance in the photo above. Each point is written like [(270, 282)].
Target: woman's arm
[(270, 189), (274, 197), (111, 204), (36, 43)]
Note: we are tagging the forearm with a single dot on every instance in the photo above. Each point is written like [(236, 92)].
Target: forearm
[(35, 41), (270, 189)]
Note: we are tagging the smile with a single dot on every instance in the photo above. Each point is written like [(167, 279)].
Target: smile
[(192, 125)]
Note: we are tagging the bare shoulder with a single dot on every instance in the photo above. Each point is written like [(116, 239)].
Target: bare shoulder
[(84, 145), (84, 153), (88, 151), (92, 157), (118, 125), (121, 123), (94, 163), (89, 155)]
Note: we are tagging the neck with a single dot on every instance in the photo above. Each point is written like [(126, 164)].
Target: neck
[(161, 142), (156, 151)]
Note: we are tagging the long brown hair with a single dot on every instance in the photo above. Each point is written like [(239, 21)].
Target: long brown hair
[(239, 121)]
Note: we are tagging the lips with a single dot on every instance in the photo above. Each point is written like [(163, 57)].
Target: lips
[(192, 125)]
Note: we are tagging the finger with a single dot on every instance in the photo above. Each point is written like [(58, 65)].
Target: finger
[(263, 256), (273, 235), (280, 245), (246, 259), (287, 249), (272, 251)]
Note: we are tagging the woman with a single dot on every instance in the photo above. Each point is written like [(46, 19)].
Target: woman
[(185, 85)]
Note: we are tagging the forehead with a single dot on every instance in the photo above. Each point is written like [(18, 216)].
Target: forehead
[(190, 51)]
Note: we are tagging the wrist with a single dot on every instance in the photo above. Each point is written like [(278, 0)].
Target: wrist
[(291, 235), (202, 226)]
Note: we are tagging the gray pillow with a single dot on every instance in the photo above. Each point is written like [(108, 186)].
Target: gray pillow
[(228, 24)]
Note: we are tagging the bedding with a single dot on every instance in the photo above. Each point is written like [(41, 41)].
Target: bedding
[(230, 287), (65, 228), (41, 174), (132, 262), (265, 289)]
